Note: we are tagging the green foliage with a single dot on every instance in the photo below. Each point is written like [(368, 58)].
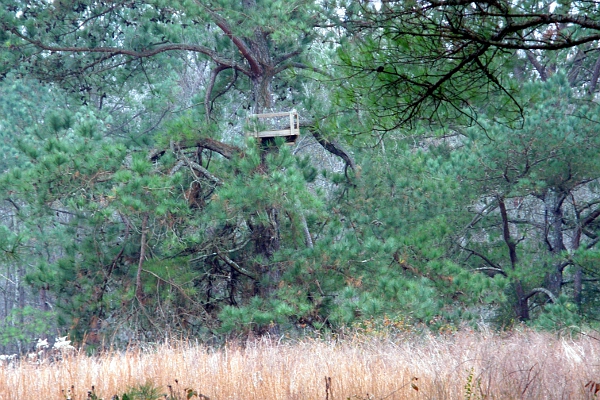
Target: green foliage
[(472, 386), (552, 155), (10, 244), (135, 203), (24, 324), (146, 391), (561, 315)]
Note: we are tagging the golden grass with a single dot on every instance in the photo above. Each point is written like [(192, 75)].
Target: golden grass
[(464, 365)]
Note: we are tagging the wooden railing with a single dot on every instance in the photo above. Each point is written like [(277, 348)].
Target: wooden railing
[(271, 125)]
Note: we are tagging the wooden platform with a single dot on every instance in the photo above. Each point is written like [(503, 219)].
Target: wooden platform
[(271, 125)]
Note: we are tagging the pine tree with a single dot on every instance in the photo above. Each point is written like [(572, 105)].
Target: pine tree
[(168, 236), (536, 195)]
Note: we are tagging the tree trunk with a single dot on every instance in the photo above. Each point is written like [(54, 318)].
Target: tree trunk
[(138, 279), (553, 201), (266, 236), (262, 92), (262, 80), (521, 303), (578, 275)]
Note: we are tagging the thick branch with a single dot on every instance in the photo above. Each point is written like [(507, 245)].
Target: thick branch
[(489, 262), (199, 168), (545, 291), (209, 88), (508, 240), (115, 51), (224, 149), (491, 271), (331, 146), (307, 238), (537, 65), (255, 67), (302, 66), (591, 217), (287, 56), (13, 203), (595, 76)]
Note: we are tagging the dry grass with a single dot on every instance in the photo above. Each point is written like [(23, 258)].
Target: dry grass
[(465, 365)]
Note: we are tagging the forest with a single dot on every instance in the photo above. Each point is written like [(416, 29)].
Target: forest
[(441, 172)]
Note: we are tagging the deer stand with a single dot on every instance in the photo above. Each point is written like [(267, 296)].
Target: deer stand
[(266, 127)]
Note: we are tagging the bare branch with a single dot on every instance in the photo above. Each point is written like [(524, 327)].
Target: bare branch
[(492, 265), (491, 271), (331, 145), (545, 291), (204, 172)]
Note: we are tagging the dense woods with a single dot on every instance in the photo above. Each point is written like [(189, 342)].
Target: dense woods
[(446, 172)]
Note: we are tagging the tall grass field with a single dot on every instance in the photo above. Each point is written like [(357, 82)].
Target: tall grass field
[(462, 365)]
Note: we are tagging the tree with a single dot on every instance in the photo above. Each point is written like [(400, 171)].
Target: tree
[(536, 189), (176, 228), (448, 65), (95, 44), (154, 213), (444, 62), (24, 312)]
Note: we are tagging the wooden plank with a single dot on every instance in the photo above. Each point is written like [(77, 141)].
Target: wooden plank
[(272, 115), (281, 132)]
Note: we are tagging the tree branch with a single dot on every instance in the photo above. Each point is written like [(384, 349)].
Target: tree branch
[(591, 217), (298, 65), (235, 265), (115, 51), (508, 240), (545, 291), (204, 172), (595, 76), (287, 56), (255, 67), (224, 149), (492, 265), (209, 88), (537, 65), (331, 146), (491, 271)]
